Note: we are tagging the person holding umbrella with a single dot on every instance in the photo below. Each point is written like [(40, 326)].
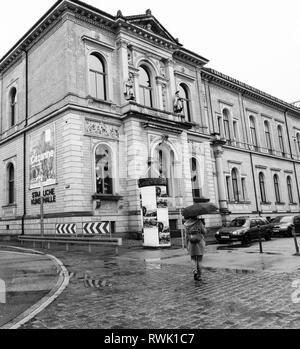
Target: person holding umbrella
[(196, 232), (196, 243)]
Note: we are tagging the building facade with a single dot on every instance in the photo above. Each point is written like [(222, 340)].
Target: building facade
[(91, 103)]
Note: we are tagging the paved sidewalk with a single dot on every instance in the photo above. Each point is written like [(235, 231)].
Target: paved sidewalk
[(28, 278), (150, 289)]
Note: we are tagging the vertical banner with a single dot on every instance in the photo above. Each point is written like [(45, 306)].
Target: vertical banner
[(42, 158), (154, 212)]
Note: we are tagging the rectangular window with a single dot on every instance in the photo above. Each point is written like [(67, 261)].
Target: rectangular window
[(244, 189), (235, 130), (219, 125), (228, 187)]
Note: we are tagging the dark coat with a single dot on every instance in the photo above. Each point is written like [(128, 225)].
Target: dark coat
[(196, 226)]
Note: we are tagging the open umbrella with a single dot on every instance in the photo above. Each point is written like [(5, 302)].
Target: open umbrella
[(199, 209)]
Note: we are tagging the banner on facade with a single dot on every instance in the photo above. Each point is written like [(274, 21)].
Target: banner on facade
[(42, 158)]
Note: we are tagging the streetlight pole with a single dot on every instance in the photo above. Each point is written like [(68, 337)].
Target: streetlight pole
[(42, 205), (180, 206)]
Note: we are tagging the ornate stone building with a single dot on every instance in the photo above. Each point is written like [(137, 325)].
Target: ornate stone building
[(91, 103)]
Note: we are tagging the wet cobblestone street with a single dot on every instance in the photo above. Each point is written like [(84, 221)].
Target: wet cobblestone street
[(125, 293)]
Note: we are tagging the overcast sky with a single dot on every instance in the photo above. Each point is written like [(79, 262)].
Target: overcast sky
[(254, 41)]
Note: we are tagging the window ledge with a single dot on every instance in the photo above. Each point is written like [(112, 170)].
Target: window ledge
[(104, 101), (9, 206), (239, 202), (266, 203), (103, 197), (280, 203), (200, 199), (293, 204)]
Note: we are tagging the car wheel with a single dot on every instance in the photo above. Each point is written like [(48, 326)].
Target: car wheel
[(268, 237), (289, 232), (246, 240)]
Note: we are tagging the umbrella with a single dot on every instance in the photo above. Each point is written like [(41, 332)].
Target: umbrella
[(199, 209)]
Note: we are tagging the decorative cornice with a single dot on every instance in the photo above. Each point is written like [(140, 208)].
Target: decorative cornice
[(247, 90), (190, 57), (260, 167), (146, 35), (98, 42), (234, 162)]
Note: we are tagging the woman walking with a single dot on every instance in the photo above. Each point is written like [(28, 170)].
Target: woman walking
[(196, 231)]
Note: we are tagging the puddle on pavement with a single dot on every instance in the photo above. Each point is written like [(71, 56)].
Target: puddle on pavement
[(153, 264)]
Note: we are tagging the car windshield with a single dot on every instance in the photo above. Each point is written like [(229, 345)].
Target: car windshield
[(284, 219), (238, 222)]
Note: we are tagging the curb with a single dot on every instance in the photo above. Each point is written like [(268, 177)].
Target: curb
[(61, 285)]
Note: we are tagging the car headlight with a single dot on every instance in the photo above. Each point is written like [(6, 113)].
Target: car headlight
[(284, 227), (218, 232), (239, 232)]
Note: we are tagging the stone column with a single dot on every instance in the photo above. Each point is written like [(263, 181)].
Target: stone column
[(217, 145), (122, 46), (171, 77)]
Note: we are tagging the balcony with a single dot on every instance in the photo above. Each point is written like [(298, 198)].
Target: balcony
[(156, 118), (258, 149)]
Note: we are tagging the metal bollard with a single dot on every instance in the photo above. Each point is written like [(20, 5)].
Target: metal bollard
[(260, 242), (296, 242)]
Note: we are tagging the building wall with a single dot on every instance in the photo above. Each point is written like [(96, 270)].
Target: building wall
[(60, 99)]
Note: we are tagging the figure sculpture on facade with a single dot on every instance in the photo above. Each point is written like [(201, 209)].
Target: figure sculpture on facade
[(129, 88), (178, 104)]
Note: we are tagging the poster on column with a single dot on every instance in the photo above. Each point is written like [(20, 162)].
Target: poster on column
[(42, 158), (155, 213), (163, 217), (149, 214)]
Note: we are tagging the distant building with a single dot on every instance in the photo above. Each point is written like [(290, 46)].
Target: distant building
[(92, 102)]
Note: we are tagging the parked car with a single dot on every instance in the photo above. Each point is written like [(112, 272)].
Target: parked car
[(283, 225), (245, 229)]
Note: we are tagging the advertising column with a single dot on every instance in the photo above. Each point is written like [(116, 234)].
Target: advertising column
[(155, 212)]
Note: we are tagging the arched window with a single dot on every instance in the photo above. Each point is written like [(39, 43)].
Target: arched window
[(253, 132), (146, 90), (289, 188), (166, 167), (11, 183), (196, 186), (276, 188), (184, 95), (226, 123), (97, 76), (12, 106), (104, 176), (268, 136), (262, 188), (235, 187), (280, 139)]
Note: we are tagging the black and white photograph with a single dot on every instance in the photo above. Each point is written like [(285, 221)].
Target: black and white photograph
[(149, 167)]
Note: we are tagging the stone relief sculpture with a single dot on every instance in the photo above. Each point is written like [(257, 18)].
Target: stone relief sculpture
[(129, 88), (164, 96), (162, 69), (178, 103), (130, 55), (100, 129)]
